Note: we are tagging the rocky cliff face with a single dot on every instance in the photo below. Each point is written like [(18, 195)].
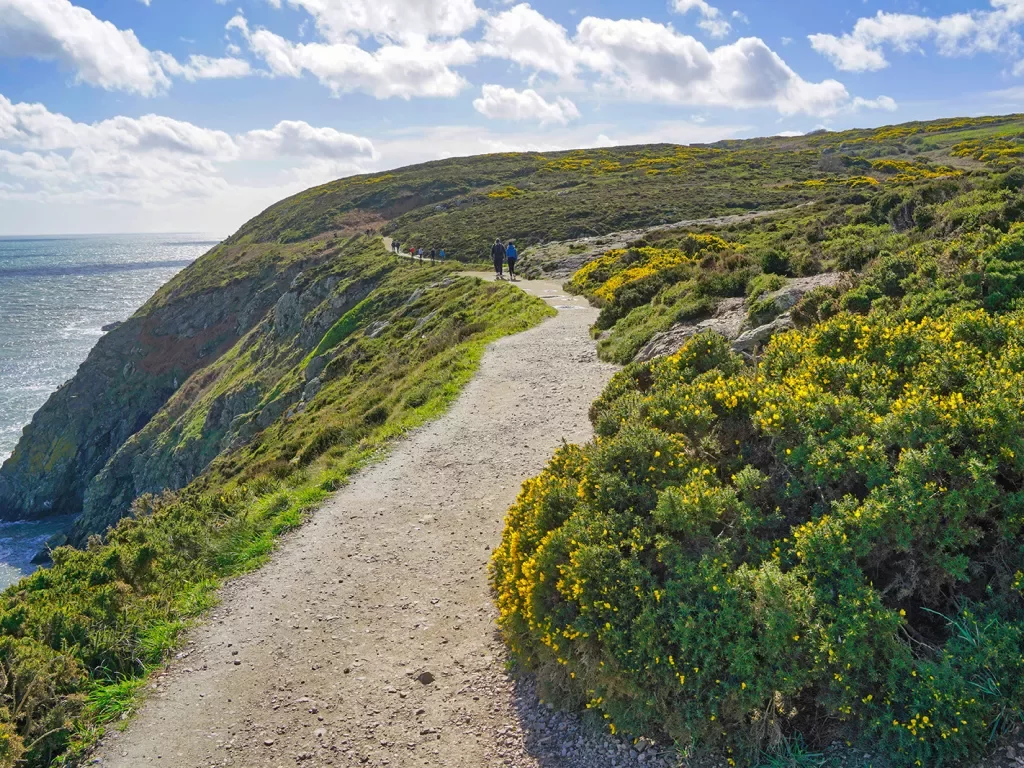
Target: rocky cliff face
[(225, 404), (88, 446), (129, 375)]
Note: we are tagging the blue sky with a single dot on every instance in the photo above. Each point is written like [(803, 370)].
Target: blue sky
[(194, 115)]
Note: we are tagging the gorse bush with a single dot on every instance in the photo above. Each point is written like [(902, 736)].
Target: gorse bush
[(830, 543)]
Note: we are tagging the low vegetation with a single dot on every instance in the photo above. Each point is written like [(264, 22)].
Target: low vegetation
[(824, 542), (672, 276), (757, 555), (78, 639)]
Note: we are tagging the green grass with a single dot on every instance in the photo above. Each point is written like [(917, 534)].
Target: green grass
[(792, 753), (97, 622), (77, 641)]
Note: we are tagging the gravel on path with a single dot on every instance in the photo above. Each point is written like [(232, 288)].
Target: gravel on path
[(370, 638)]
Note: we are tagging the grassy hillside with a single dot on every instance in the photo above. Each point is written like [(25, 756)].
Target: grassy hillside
[(821, 540), (936, 183), (815, 540), (315, 401), (464, 203)]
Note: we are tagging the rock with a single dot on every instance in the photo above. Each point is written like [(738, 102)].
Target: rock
[(315, 367), (111, 327), (376, 329), (727, 320), (789, 295), (286, 315), (424, 320), (311, 390), (758, 337), (425, 677), (67, 454), (731, 321)]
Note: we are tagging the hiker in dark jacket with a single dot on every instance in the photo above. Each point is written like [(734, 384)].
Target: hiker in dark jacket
[(498, 256)]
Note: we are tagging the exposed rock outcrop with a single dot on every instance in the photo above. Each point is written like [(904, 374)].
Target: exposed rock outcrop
[(727, 320), (88, 436), (172, 449), (126, 379), (732, 319)]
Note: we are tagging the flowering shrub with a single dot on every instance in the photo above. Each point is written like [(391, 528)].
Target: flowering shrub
[(997, 151), (506, 193), (603, 278), (830, 543)]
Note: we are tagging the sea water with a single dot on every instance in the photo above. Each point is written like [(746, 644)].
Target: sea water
[(56, 294)]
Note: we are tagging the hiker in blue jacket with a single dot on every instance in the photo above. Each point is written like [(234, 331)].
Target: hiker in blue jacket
[(513, 256)]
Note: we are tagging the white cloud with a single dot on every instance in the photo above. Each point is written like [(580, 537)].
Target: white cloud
[(389, 71), (711, 22), (291, 138), (884, 103), (958, 34), (642, 60), (392, 19), (151, 160), (848, 53), (646, 61), (98, 52), (501, 103), (531, 40), (204, 68), (637, 60)]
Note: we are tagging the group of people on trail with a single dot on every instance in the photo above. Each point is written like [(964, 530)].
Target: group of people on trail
[(434, 254), (502, 253)]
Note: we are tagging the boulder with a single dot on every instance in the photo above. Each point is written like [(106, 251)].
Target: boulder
[(731, 319), (750, 341), (727, 321), (316, 367)]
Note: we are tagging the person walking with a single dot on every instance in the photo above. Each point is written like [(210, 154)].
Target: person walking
[(498, 257), (513, 256), (433, 255), (441, 254), (420, 254)]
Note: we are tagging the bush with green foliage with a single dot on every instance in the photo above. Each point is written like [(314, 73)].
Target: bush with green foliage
[(827, 544)]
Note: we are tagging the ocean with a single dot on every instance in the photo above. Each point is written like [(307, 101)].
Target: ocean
[(56, 294)]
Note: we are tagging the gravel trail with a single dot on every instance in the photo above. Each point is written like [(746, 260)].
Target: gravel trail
[(369, 639)]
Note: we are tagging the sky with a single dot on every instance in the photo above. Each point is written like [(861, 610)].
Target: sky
[(195, 115)]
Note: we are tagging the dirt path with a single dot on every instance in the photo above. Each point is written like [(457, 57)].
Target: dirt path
[(369, 640)]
